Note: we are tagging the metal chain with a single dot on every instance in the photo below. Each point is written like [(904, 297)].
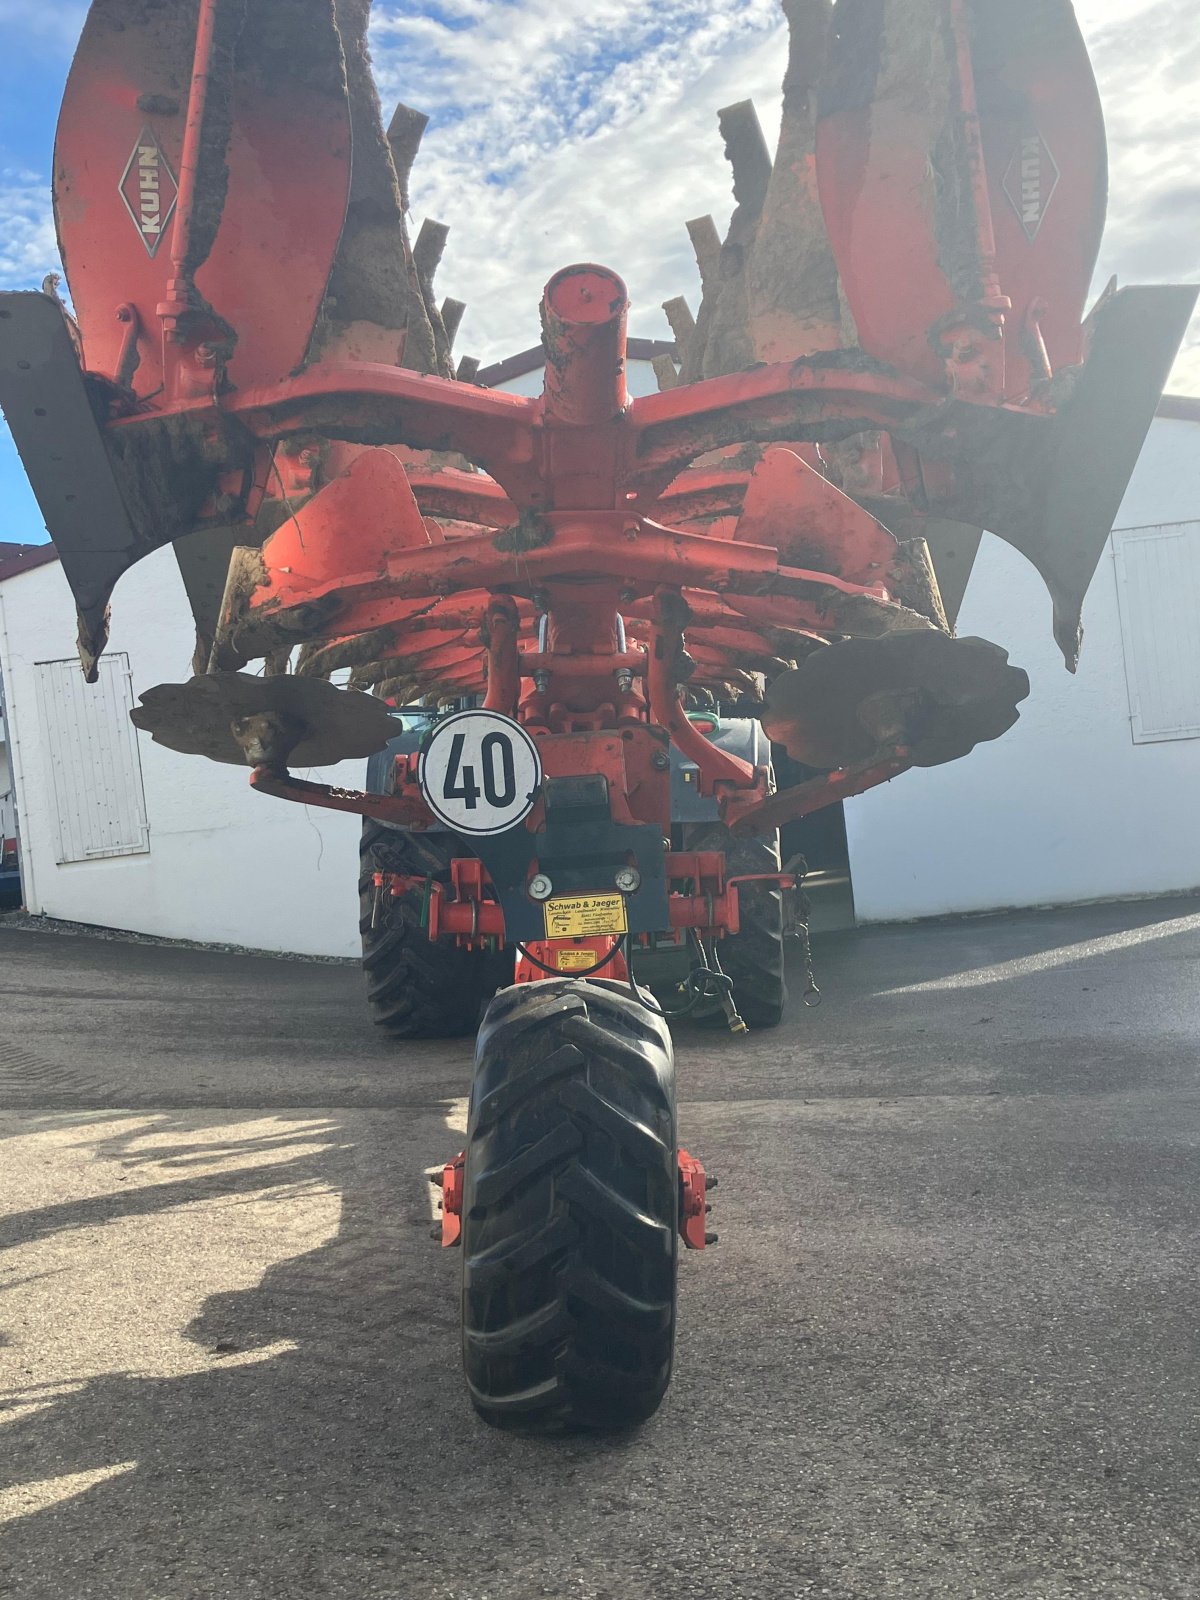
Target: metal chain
[(796, 927), (812, 995)]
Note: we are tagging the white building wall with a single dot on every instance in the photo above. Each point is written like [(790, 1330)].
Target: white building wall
[(5, 774), (225, 865), (1065, 807), (8, 808)]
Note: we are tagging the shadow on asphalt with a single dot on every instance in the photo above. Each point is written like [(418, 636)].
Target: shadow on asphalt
[(313, 1448), (953, 1352)]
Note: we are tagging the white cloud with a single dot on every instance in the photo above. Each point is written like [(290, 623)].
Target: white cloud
[(564, 131), (1147, 60), (573, 132), (28, 250), (604, 152), (56, 23)]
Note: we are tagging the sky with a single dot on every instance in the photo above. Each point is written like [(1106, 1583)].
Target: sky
[(563, 131)]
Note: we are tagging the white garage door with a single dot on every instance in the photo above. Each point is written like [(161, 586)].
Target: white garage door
[(91, 752), (1158, 585)]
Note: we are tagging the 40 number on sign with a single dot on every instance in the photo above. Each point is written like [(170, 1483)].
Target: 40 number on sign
[(480, 772)]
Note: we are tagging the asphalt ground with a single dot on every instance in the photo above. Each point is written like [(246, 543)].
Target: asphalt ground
[(947, 1345)]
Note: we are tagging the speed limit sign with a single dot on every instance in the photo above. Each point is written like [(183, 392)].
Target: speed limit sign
[(480, 772)]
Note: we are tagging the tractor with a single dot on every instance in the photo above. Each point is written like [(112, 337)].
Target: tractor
[(537, 617)]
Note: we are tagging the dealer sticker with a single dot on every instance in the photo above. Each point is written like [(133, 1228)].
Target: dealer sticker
[(586, 916), (580, 960)]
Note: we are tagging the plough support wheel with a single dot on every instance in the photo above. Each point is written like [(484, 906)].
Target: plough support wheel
[(570, 1210)]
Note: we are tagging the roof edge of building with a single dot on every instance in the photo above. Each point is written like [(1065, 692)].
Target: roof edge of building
[(1180, 407), (16, 558)]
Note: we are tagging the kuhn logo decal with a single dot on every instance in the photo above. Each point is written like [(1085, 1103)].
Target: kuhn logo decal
[(149, 190), (1030, 182)]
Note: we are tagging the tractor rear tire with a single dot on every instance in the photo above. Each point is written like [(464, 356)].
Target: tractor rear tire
[(416, 988), (570, 1210), (753, 958)]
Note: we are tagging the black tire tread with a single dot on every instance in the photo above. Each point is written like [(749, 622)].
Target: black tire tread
[(418, 989), (754, 957), (570, 1210)]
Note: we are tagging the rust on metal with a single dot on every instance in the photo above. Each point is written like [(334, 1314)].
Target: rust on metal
[(937, 697), (238, 719)]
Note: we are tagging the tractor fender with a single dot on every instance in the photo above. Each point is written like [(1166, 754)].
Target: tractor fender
[(412, 724), (738, 736)]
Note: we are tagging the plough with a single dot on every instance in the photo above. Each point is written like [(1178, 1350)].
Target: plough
[(531, 614)]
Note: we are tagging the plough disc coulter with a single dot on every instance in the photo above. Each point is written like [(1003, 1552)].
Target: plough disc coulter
[(571, 596)]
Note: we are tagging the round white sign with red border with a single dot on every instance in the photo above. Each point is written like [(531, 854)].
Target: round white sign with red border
[(480, 772)]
